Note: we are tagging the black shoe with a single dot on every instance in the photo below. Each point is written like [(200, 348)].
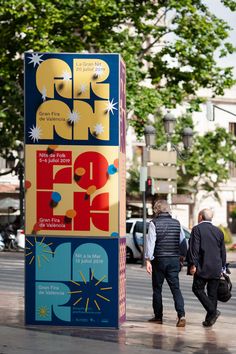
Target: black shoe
[(211, 320), (155, 320)]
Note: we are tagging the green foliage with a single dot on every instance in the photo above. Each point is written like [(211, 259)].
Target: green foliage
[(205, 165), (233, 214), (175, 56), (227, 234), (132, 183)]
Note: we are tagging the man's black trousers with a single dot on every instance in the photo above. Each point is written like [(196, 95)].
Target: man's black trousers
[(207, 298), (166, 268)]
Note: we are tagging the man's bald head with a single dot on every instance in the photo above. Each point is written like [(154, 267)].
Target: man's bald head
[(205, 215)]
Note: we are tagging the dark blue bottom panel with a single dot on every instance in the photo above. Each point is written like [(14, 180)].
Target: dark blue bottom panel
[(71, 281)]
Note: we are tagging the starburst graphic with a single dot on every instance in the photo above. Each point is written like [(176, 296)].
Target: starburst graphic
[(43, 311), (74, 117), (111, 106), (98, 71), (83, 88), (35, 59), (42, 251), (98, 129), (44, 93), (35, 133), (94, 299), (66, 76)]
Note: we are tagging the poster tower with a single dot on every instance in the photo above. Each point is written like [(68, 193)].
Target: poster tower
[(75, 189)]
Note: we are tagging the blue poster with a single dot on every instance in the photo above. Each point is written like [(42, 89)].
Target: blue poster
[(72, 99), (72, 282)]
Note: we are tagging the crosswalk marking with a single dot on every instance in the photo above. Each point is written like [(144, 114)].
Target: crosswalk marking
[(138, 289)]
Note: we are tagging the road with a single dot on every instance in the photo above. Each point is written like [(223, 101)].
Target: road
[(136, 331)]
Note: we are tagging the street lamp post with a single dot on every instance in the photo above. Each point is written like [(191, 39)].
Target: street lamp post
[(15, 163), (20, 172), (187, 137), (150, 136), (169, 121)]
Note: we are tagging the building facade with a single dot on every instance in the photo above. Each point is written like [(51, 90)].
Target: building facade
[(217, 112)]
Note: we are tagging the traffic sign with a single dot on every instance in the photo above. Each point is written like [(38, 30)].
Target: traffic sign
[(162, 172), (165, 187), (160, 156)]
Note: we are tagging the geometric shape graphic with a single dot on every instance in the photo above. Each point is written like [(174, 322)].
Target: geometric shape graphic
[(57, 265), (88, 259)]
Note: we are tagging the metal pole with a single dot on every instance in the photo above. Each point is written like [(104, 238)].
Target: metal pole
[(21, 178), (169, 196), (144, 227), (144, 163)]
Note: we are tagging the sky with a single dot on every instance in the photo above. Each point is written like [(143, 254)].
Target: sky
[(221, 11)]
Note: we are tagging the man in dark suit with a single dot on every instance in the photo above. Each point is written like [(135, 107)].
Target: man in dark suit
[(206, 261)]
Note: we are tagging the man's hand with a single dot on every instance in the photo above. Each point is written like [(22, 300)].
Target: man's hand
[(149, 267), (192, 270), (181, 262)]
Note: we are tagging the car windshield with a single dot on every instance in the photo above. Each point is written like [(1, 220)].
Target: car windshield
[(139, 226)]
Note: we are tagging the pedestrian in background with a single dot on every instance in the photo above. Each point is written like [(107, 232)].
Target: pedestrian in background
[(165, 244), (206, 261)]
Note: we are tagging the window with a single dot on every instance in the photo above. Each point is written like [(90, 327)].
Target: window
[(139, 226), (128, 227)]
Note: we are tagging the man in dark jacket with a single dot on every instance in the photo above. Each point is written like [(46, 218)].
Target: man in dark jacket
[(206, 261), (165, 244)]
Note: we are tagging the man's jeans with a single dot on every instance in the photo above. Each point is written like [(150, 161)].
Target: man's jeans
[(209, 300), (166, 268)]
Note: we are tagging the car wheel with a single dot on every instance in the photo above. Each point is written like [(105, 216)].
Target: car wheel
[(129, 255)]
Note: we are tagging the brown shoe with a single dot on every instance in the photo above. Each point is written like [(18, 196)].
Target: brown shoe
[(181, 322), (155, 320)]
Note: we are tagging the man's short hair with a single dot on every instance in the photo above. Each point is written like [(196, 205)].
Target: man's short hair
[(161, 206), (207, 214)]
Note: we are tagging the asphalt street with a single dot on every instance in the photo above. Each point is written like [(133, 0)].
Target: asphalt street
[(136, 334)]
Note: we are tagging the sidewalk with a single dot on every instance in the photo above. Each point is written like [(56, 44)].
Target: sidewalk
[(22, 341), (231, 255), (136, 336)]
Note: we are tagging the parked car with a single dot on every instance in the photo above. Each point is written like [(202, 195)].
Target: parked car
[(134, 238)]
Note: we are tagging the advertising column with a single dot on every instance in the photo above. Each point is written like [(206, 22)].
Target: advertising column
[(75, 189)]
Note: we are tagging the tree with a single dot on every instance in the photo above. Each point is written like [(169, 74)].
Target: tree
[(212, 168), (202, 167), (170, 43)]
